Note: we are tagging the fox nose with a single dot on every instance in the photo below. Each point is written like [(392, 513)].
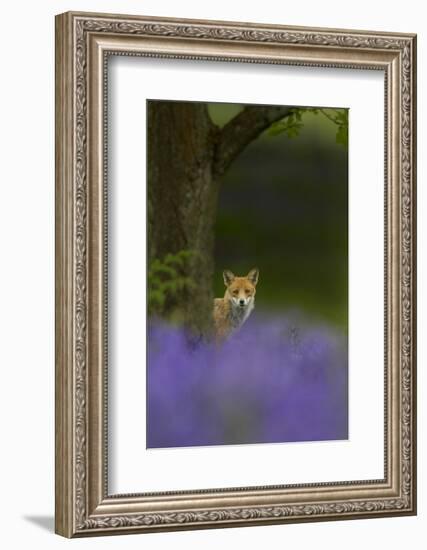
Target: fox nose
[(242, 302)]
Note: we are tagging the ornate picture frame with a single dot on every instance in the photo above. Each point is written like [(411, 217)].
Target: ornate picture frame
[(84, 506)]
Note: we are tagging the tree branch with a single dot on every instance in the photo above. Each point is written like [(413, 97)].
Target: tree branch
[(241, 130)]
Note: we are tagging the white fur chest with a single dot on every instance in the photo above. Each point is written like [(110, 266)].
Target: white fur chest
[(239, 314)]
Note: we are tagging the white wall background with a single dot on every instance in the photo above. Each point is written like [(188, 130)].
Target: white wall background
[(27, 273)]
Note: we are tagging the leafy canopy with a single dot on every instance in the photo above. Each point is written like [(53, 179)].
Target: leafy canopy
[(293, 122)]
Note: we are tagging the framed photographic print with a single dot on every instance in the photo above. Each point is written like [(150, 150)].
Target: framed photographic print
[(235, 274)]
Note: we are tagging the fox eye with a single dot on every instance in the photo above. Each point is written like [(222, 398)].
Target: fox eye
[(247, 291), (235, 292)]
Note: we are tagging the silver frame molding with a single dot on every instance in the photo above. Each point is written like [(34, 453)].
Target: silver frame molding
[(83, 43)]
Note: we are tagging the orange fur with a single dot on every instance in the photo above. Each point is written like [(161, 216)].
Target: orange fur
[(231, 312)]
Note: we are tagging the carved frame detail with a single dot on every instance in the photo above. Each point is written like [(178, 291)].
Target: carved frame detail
[(83, 506)]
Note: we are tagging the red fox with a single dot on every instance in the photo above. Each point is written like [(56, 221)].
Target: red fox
[(231, 312)]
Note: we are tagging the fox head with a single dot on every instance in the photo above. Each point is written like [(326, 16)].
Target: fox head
[(241, 290)]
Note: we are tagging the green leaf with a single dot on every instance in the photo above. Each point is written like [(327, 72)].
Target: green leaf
[(342, 135), (275, 129), (291, 125), (156, 298), (174, 259), (166, 279), (166, 270)]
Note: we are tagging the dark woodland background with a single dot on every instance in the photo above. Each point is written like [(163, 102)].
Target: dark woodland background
[(233, 186)]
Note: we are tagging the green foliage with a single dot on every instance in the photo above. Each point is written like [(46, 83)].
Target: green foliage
[(167, 279), (291, 125), (293, 122), (340, 118)]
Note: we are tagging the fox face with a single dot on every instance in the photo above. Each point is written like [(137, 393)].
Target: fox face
[(241, 290)]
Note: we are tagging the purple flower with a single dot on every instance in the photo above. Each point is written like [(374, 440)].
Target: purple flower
[(271, 382)]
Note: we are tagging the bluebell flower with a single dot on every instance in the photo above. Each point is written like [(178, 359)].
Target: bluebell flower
[(273, 381)]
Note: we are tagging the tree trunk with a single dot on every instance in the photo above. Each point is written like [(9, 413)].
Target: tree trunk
[(182, 197), (187, 155)]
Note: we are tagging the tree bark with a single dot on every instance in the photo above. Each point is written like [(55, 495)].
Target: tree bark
[(182, 196), (187, 155)]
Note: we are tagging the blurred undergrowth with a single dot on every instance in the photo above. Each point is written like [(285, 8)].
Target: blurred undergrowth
[(166, 280)]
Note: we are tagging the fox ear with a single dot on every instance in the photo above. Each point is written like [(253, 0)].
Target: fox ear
[(228, 277), (253, 275)]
